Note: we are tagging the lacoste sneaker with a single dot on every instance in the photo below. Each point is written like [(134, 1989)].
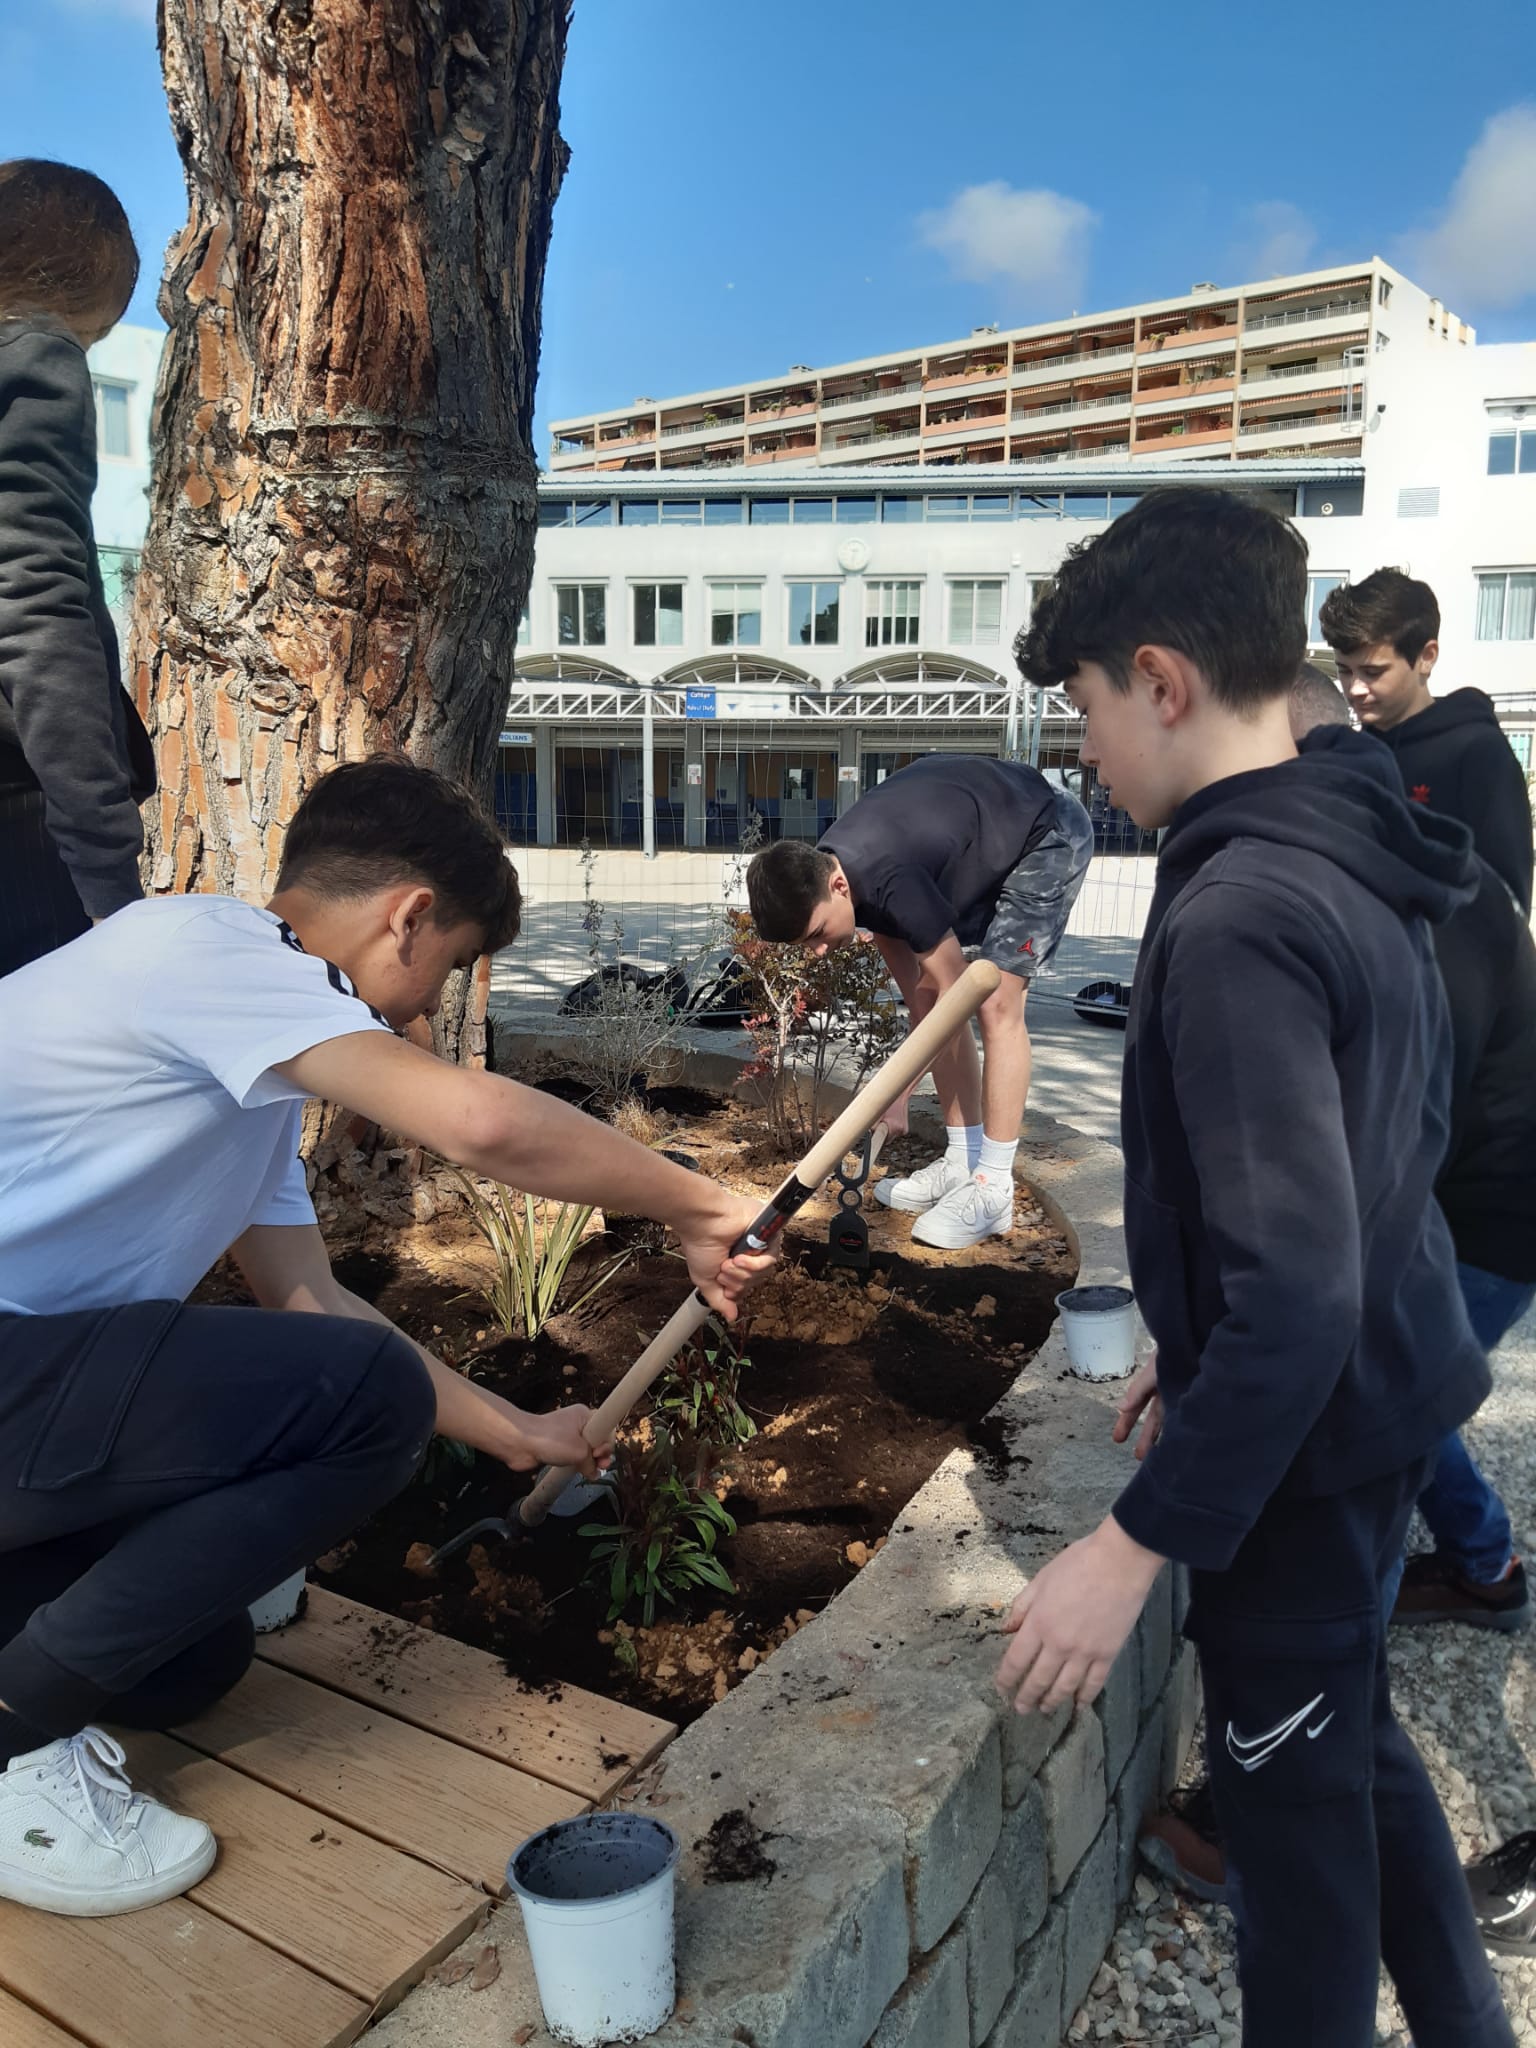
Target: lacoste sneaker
[(1503, 1888), (76, 1838), (967, 1214), (1434, 1590), (919, 1191)]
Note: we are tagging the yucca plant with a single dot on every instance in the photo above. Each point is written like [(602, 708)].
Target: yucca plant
[(533, 1243)]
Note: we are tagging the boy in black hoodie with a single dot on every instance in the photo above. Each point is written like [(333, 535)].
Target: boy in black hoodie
[(1451, 751), (1284, 1114)]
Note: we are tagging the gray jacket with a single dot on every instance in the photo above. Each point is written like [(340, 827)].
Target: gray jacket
[(67, 726)]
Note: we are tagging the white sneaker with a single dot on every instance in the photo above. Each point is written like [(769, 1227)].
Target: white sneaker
[(76, 1838), (920, 1190), (968, 1213)]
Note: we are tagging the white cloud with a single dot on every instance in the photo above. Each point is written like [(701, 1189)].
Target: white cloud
[(1481, 251), (1279, 242), (1036, 241)]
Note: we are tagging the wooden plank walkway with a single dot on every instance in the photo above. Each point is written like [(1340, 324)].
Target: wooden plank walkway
[(367, 1781)]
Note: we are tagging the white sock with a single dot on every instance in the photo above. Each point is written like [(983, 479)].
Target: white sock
[(965, 1143), (995, 1162)]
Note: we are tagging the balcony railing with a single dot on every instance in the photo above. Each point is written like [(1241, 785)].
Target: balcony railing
[(1040, 412), (1106, 360), (1335, 309), (715, 426), (1072, 454), (1292, 421), (849, 398), (1347, 373)]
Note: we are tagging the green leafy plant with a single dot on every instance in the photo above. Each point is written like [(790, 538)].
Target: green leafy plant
[(663, 1545), (443, 1455), (534, 1243), (697, 1398)]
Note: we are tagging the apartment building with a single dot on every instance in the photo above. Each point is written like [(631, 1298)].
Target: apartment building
[(123, 371), (1275, 369)]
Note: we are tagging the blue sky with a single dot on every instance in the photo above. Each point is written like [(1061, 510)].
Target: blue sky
[(753, 186)]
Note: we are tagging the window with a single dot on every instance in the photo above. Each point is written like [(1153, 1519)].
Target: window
[(555, 511), (900, 511), (992, 508), (975, 612), (524, 627), (892, 613), (639, 512), (769, 512), (1383, 291), (112, 418), (1506, 605), (736, 613), (1122, 501), (1085, 505), (1512, 452), (594, 512), (722, 512), (813, 609), (1037, 505), (949, 508), (1038, 586), (1521, 742), (658, 614), (800, 785), (581, 614), (1318, 588), (857, 511), (681, 512), (813, 511), (1342, 499)]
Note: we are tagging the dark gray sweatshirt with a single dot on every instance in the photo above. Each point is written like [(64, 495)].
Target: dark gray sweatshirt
[(67, 726)]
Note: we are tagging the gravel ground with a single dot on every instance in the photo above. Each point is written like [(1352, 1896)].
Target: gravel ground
[(1467, 1697)]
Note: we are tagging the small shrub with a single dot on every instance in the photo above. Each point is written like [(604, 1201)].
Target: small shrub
[(697, 1402), (630, 1033), (534, 1243), (663, 1545)]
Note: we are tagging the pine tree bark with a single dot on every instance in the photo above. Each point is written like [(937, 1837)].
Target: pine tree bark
[(343, 514)]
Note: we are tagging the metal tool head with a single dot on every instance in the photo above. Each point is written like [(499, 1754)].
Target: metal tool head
[(488, 1525)]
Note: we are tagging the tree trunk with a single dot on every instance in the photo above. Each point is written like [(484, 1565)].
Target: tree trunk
[(343, 513)]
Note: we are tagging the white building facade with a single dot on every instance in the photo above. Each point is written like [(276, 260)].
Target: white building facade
[(123, 371)]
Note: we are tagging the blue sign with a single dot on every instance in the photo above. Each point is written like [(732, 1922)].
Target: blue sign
[(517, 739), (699, 704)]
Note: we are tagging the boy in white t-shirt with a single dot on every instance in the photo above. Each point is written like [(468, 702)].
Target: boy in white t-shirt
[(162, 1465)]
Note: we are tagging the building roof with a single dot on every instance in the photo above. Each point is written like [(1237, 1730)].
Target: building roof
[(940, 480)]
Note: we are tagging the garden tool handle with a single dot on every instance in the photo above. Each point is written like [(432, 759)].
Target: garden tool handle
[(907, 1064)]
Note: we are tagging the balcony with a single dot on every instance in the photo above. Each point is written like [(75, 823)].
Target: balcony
[(1034, 456), (767, 407), (718, 423), (1179, 434), (902, 432), (795, 449), (1333, 420), (969, 422), (1183, 397), (1308, 316), (626, 437), (1114, 401), (989, 372), (847, 399), (1180, 345), (1083, 363)]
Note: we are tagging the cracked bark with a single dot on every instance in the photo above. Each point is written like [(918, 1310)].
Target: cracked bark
[(343, 514)]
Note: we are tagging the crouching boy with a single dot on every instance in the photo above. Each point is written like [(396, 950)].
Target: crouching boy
[(162, 1465), (1284, 1116)]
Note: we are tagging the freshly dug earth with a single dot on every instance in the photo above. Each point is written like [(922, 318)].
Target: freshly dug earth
[(859, 1386)]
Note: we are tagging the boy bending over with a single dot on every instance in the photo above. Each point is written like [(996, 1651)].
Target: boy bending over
[(163, 1465), (1284, 1116)]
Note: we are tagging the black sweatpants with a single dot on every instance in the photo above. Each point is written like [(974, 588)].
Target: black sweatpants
[(39, 909), (1338, 1854), (162, 1466)]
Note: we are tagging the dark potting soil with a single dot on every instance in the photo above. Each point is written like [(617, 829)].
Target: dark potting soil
[(860, 1385), (733, 1850)]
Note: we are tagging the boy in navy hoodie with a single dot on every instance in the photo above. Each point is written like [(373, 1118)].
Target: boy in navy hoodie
[(1284, 1115)]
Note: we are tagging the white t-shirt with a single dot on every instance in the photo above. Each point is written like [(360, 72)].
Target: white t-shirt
[(141, 1127)]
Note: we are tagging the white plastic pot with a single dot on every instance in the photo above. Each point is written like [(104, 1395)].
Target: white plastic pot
[(283, 1604), (596, 1895), (1099, 1324)]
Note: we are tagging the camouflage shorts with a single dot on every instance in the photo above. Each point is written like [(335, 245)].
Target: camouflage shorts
[(1037, 897)]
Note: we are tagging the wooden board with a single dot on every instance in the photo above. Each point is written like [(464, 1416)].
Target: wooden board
[(362, 1915), (445, 1804), (21, 2027), (568, 1737), (171, 1976)]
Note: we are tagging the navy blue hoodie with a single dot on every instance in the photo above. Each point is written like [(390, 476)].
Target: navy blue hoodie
[(1285, 1111)]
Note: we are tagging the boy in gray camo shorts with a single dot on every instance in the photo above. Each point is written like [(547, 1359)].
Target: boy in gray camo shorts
[(955, 855)]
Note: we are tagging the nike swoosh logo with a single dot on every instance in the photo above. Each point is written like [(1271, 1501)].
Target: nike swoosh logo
[(1313, 1733), (1251, 1751)]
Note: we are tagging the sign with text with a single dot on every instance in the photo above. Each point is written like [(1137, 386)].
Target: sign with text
[(699, 704), (517, 739)]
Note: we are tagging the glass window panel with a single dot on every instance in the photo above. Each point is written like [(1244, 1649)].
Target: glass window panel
[(900, 511), (1521, 742), (769, 512), (749, 620), (681, 512), (645, 615), (1039, 505), (1520, 608), (722, 512), (1528, 453), (949, 508), (524, 628), (113, 401), (639, 512), (828, 604), (989, 614), (594, 615), (1122, 501), (1318, 588), (800, 608), (568, 614), (813, 511), (1490, 608), (857, 511), (722, 628), (594, 512), (962, 613), (1501, 454), (554, 512), (992, 508), (669, 614), (1085, 504)]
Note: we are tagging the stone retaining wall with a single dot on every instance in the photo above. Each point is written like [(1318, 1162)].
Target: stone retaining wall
[(946, 1873)]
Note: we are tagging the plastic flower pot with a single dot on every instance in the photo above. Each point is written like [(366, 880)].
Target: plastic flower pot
[(1099, 1324), (283, 1604), (596, 1897)]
